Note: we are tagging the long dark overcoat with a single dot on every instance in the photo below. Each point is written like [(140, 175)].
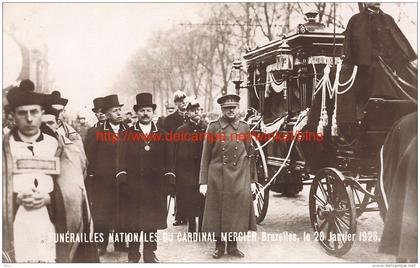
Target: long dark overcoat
[(147, 184), (173, 121), (187, 170), (228, 170), (399, 236), (102, 155)]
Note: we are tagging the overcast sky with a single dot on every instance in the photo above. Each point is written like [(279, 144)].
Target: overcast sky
[(89, 44)]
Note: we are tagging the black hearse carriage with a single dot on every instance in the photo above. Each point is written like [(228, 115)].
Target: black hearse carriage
[(289, 90)]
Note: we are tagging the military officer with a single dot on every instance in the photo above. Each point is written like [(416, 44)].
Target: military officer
[(97, 109), (187, 168), (171, 123), (227, 178), (102, 168), (146, 169)]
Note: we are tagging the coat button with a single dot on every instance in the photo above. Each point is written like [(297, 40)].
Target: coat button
[(224, 156), (224, 163), (222, 141), (236, 148), (223, 148), (234, 155), (234, 164)]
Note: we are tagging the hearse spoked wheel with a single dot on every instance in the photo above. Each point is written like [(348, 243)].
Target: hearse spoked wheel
[(332, 212), (261, 201)]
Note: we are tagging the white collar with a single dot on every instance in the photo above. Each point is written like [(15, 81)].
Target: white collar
[(27, 139), (115, 127), (145, 128)]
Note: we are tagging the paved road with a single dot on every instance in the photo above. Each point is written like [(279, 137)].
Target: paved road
[(284, 215)]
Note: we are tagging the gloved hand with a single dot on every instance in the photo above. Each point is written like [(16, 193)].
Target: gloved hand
[(203, 189)]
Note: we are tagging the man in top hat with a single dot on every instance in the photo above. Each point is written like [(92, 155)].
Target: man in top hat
[(102, 150), (227, 178), (171, 123), (187, 168), (47, 198), (146, 170), (90, 138), (97, 109)]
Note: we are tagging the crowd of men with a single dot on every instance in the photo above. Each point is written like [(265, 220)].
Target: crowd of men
[(57, 180), (103, 187)]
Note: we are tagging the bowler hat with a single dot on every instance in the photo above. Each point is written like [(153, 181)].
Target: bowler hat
[(144, 100), (24, 95), (110, 101), (97, 104), (229, 100)]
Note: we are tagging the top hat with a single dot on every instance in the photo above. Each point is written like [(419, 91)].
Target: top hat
[(97, 104), (144, 100), (24, 95), (229, 100), (110, 101)]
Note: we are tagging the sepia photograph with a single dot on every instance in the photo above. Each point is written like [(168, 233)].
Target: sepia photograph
[(210, 132)]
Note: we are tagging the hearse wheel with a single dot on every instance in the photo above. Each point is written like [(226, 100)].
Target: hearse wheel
[(332, 211)]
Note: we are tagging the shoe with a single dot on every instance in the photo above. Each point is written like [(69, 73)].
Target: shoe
[(134, 257), (101, 251), (150, 258), (236, 253), (218, 253)]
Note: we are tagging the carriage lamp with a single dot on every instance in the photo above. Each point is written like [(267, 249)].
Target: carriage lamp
[(285, 58), (237, 75)]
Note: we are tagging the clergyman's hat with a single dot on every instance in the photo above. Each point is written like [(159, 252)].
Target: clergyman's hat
[(229, 100), (97, 104), (144, 100), (110, 101), (55, 99), (24, 95)]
